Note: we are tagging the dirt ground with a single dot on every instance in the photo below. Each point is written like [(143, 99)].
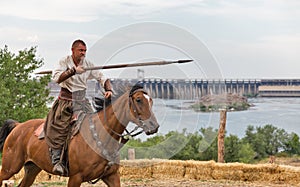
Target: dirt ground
[(193, 183), (171, 183)]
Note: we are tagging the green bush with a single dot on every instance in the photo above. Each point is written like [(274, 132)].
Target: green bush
[(22, 96)]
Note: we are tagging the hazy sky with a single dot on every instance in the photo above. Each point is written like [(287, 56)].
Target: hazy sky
[(247, 38)]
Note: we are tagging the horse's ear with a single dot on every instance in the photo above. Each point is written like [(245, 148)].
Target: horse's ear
[(137, 86)]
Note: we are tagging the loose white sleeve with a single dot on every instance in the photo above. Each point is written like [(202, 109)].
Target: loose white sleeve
[(97, 74), (59, 69)]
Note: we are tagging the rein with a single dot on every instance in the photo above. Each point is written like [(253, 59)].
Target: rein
[(124, 138)]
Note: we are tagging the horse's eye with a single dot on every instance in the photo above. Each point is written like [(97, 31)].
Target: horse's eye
[(138, 100)]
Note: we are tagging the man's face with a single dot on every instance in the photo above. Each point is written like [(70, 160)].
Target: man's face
[(78, 52)]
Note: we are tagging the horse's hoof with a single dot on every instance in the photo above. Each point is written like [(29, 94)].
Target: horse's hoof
[(58, 169)]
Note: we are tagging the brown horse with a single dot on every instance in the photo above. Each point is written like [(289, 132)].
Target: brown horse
[(93, 153)]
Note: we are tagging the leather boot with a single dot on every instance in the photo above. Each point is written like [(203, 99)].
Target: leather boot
[(55, 158)]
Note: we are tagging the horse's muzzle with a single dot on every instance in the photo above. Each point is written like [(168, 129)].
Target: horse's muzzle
[(150, 126)]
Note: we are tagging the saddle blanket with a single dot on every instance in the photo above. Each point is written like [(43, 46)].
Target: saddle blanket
[(75, 126)]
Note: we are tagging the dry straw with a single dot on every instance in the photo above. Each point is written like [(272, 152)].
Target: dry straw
[(210, 170), (196, 170)]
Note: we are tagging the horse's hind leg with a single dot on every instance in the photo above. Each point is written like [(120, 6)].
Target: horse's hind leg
[(6, 174), (31, 171), (10, 166)]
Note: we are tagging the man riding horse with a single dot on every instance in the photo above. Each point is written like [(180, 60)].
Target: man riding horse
[(72, 78)]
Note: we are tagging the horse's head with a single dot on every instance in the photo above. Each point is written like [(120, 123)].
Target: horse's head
[(141, 110)]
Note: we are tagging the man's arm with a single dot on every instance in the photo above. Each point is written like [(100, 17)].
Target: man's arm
[(108, 89), (107, 85), (66, 74), (69, 73)]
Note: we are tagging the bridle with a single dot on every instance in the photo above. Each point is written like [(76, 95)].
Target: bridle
[(123, 138)]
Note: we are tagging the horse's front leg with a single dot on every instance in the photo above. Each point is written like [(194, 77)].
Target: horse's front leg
[(75, 181), (112, 180)]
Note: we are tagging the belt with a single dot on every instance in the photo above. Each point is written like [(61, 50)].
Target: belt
[(65, 94)]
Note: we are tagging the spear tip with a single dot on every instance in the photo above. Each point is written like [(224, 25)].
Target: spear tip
[(185, 61)]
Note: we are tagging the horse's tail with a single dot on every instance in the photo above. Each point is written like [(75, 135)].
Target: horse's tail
[(6, 128)]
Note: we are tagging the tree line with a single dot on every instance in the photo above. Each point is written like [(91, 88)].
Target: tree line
[(258, 143)]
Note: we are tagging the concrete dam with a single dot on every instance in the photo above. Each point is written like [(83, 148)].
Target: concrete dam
[(195, 89)]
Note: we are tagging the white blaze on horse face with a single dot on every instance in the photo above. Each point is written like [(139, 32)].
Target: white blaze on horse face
[(148, 98)]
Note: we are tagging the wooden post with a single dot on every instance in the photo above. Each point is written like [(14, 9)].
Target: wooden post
[(131, 154), (221, 136)]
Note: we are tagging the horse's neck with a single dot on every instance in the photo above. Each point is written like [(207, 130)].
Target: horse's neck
[(102, 132), (116, 116)]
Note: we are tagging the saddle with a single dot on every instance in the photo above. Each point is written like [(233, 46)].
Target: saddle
[(75, 124), (77, 118)]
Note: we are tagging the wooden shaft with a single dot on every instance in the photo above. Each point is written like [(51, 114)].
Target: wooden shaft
[(127, 65)]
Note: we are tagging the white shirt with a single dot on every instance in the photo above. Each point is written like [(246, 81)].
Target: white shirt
[(78, 81)]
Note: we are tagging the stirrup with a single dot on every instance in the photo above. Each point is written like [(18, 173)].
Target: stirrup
[(58, 169), (55, 155)]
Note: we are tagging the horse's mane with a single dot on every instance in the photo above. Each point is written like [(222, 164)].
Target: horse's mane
[(119, 89)]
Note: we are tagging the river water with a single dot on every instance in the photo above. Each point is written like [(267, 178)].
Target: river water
[(174, 115)]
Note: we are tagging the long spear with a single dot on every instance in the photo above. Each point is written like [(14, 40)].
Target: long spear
[(128, 65)]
